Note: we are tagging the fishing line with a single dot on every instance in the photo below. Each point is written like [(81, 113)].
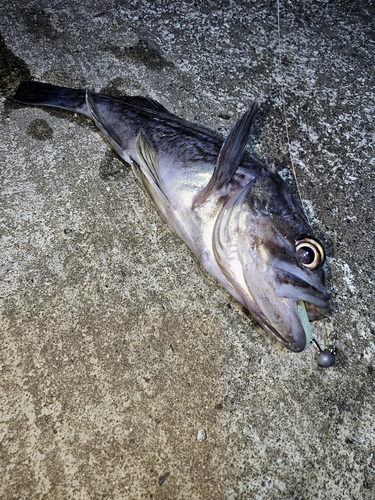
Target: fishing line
[(325, 357), (283, 102)]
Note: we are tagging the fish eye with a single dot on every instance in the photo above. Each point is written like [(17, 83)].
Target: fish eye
[(310, 253)]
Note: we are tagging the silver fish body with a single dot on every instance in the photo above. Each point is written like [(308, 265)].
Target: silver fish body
[(235, 213)]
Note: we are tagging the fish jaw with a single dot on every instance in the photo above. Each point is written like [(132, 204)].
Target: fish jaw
[(293, 282), (281, 304), (254, 245), (297, 336)]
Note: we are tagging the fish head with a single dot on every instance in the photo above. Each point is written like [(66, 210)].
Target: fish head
[(268, 253)]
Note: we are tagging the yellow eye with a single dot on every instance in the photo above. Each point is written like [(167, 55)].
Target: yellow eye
[(310, 253)]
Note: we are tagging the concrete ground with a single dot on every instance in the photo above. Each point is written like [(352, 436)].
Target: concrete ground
[(117, 349)]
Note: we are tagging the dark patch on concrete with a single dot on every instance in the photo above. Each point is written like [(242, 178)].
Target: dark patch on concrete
[(64, 78), (38, 23), (112, 168), (144, 52), (113, 87), (12, 70), (39, 129)]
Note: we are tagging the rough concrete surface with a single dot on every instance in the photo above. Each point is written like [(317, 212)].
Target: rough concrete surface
[(117, 349)]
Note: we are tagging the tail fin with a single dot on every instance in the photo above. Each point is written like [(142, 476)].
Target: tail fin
[(44, 94)]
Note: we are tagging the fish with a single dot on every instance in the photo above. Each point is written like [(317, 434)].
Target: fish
[(232, 209)]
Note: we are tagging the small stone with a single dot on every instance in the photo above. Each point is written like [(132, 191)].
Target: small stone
[(163, 478), (201, 436)]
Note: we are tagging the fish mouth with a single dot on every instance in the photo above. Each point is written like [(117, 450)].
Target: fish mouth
[(307, 301), (302, 284)]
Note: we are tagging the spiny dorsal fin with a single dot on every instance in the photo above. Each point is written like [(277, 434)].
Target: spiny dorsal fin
[(230, 156), (143, 102)]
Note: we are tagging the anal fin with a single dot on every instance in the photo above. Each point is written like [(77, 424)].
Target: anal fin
[(147, 173)]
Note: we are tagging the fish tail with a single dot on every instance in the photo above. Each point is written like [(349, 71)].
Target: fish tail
[(44, 94)]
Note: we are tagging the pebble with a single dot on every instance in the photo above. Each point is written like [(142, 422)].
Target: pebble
[(201, 436)]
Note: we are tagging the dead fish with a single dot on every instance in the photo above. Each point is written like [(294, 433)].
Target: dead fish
[(235, 213)]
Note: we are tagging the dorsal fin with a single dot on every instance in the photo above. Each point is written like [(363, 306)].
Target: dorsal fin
[(230, 156), (143, 102)]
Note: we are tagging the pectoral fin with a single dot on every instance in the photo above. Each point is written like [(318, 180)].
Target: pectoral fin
[(230, 155)]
